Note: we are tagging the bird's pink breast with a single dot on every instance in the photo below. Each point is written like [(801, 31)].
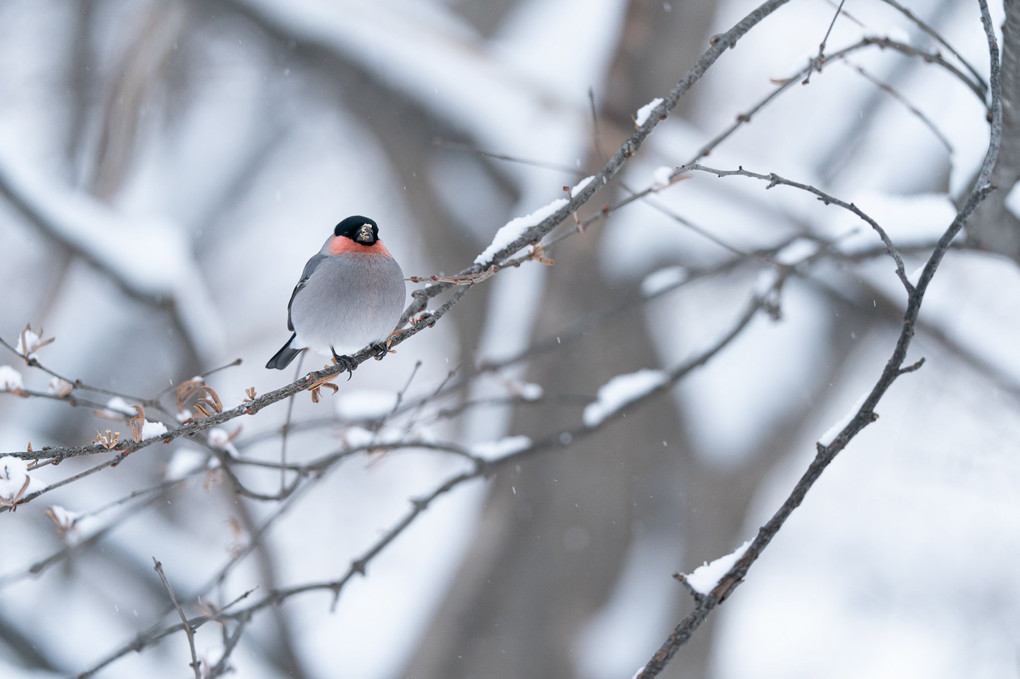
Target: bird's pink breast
[(342, 245)]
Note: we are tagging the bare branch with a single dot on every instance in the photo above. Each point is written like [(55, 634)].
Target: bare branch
[(865, 414), (942, 41), (188, 630), (775, 180)]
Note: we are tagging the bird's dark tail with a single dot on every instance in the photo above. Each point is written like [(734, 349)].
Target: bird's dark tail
[(284, 356)]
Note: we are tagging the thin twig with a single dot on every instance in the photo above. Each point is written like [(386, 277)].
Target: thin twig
[(839, 10), (775, 180), (888, 89), (188, 630), (942, 41), (223, 665), (285, 429), (76, 383), (467, 148)]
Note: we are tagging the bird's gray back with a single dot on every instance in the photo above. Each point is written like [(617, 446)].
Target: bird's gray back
[(310, 267)]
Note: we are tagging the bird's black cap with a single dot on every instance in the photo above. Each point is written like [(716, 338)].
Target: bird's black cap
[(354, 228)]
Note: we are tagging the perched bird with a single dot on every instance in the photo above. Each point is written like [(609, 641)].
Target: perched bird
[(350, 295)]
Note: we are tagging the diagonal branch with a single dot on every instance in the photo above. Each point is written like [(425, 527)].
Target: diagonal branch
[(534, 234), (865, 413)]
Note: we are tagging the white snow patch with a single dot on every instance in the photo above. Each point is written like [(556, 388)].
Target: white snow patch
[(27, 341), (662, 176), (1013, 200), (184, 462), (365, 404), (620, 391), (530, 391), (492, 450), (797, 251), (662, 280), (14, 478), (765, 284), (515, 228), (10, 379), (357, 437), (64, 518), (219, 438), (118, 407), (830, 435), (642, 113), (389, 436), (706, 577), (897, 33), (59, 387), (73, 526), (579, 186), (360, 437), (150, 429)]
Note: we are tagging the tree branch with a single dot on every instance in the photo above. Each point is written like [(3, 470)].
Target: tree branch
[(865, 414)]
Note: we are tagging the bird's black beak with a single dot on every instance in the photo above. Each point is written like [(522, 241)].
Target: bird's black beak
[(365, 235)]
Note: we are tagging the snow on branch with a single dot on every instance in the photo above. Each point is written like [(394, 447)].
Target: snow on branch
[(515, 229), (10, 379), (641, 117), (492, 450), (837, 428), (621, 391), (706, 577)]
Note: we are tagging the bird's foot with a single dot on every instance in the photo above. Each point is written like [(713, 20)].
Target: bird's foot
[(316, 387), (345, 362), (381, 349)]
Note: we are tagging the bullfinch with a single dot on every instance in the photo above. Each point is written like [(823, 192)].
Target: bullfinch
[(350, 295)]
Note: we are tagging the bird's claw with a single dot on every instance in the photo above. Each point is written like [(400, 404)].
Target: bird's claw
[(380, 349), (345, 363)]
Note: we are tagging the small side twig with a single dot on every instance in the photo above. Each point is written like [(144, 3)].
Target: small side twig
[(188, 629), (821, 46), (695, 594)]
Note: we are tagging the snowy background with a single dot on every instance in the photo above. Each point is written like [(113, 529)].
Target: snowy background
[(167, 167)]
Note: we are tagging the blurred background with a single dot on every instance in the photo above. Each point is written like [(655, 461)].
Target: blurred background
[(167, 167)]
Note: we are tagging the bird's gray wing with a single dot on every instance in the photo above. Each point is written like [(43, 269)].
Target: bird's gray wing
[(310, 267)]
